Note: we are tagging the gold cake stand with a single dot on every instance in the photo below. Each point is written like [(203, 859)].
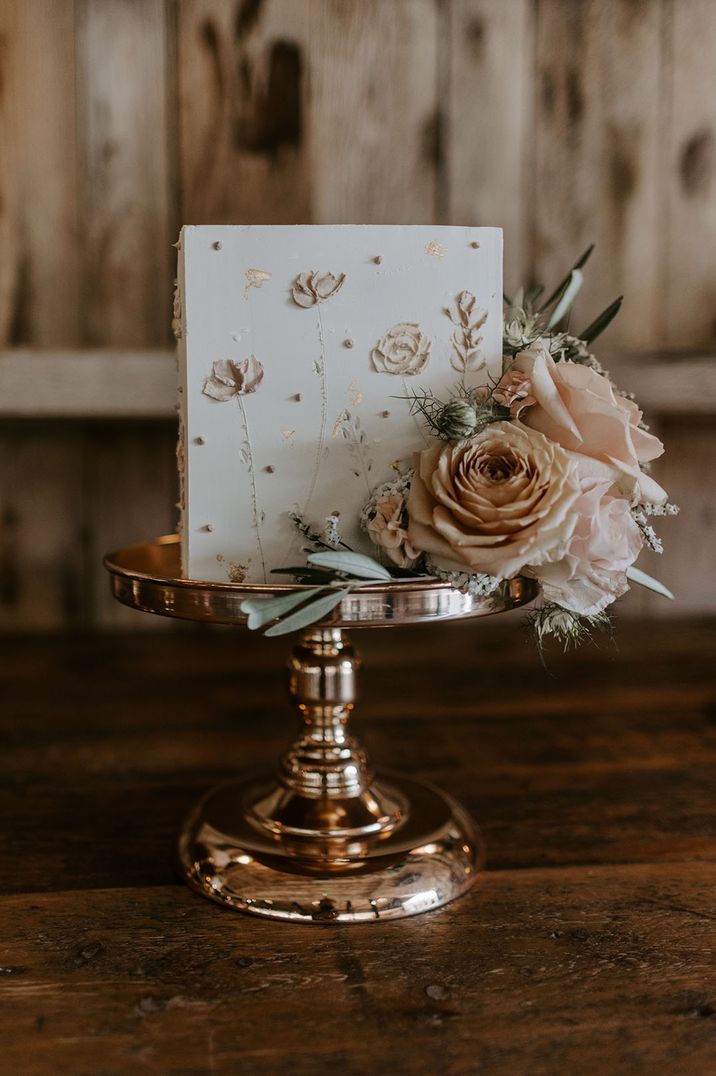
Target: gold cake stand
[(325, 839)]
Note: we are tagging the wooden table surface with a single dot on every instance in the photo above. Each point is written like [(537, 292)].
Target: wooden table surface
[(586, 948)]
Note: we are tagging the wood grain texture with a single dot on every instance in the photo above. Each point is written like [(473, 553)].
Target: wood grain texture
[(689, 568), (586, 946), (131, 485), (688, 282), (68, 495), (243, 86), (598, 164), (125, 159), (41, 561), (376, 121), (141, 384), (308, 111), (88, 383), (40, 294), (490, 123)]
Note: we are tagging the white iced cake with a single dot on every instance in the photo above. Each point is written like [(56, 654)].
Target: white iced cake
[(300, 349)]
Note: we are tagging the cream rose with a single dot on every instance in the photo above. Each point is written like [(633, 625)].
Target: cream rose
[(605, 542), (386, 529), (578, 408), (311, 288), (405, 349), (497, 503)]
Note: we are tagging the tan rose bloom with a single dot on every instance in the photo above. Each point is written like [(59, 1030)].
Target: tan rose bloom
[(497, 503), (405, 349), (229, 378), (386, 530), (578, 408)]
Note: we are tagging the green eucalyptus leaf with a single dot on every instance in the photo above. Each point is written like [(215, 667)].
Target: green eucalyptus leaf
[(637, 576), (262, 610), (355, 564), (309, 614), (563, 284), (576, 279), (600, 323), (532, 294)]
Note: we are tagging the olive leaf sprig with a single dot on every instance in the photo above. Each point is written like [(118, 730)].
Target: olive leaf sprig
[(344, 571)]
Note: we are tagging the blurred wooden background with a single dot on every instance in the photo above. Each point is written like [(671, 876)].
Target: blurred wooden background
[(563, 121)]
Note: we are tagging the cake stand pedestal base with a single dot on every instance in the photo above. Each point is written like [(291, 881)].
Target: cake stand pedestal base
[(433, 858), (326, 840)]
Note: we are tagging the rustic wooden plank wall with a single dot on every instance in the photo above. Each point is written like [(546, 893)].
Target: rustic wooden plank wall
[(563, 121)]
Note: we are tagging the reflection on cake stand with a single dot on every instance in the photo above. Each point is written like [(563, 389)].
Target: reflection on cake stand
[(326, 838)]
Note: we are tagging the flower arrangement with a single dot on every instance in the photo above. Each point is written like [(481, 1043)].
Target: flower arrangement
[(543, 472)]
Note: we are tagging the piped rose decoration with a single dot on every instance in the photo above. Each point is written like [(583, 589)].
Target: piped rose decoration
[(229, 378), (386, 528), (579, 409), (497, 503), (405, 349), (605, 542), (311, 288)]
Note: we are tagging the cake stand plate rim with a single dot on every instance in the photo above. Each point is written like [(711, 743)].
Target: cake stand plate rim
[(146, 576)]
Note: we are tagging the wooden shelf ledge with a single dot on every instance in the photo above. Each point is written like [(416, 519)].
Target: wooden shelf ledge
[(108, 383)]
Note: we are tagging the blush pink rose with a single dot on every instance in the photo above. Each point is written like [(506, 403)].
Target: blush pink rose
[(605, 542), (514, 390), (496, 503), (386, 530), (578, 408)]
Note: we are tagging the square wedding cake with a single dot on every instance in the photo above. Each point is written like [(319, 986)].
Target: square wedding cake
[(301, 350)]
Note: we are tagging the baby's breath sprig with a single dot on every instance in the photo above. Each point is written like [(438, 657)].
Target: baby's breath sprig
[(641, 514), (327, 540), (477, 584)]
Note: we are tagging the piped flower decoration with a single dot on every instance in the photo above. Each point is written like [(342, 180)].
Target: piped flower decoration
[(466, 339), (405, 349), (229, 378), (312, 288)]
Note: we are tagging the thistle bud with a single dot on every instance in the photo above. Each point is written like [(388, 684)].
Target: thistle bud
[(457, 420)]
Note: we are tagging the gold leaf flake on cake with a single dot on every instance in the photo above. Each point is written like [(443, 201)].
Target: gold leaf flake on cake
[(435, 249), (354, 393), (405, 349), (229, 378), (254, 279), (312, 288), (466, 339)]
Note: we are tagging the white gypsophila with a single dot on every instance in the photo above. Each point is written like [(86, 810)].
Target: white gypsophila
[(667, 509), (331, 533), (651, 538), (477, 584)]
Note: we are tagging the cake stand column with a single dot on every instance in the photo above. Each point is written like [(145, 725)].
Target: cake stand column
[(328, 809), (326, 839)]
